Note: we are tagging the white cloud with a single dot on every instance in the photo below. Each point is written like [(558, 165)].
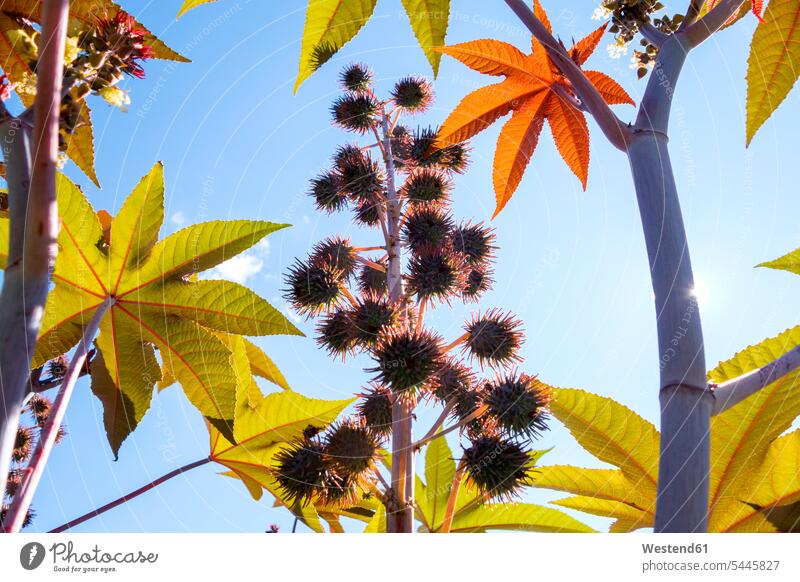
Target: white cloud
[(244, 266), (178, 218)]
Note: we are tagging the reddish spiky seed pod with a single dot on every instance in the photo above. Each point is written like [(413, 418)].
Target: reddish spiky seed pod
[(356, 77), (372, 280), (327, 193), (40, 407), (426, 186), (406, 359), (452, 380), (426, 227), (518, 402), (13, 482), (436, 276), (334, 333), (300, 471), (402, 139), (29, 516), (359, 175), (57, 367), (371, 316), (423, 153), (339, 490), (23, 443), (478, 282), (61, 434), (355, 112), (498, 467), (123, 39), (375, 408), (474, 241), (335, 253), (465, 405), (413, 94), (313, 289), (351, 447), (367, 212), (494, 338)]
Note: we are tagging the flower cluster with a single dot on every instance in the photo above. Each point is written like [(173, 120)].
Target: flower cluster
[(372, 301)]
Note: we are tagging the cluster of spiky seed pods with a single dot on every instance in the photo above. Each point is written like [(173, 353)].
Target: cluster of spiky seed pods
[(38, 409), (347, 288)]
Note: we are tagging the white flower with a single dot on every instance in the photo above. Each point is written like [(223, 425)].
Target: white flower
[(617, 49), (601, 13)]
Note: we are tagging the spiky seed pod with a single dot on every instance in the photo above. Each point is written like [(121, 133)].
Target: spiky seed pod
[(474, 241), (356, 77), (426, 186), (23, 443), (451, 380), (368, 212), (29, 516), (313, 288), (336, 253), (402, 139), (479, 281), (355, 111), (13, 482), (406, 359), (57, 367), (40, 407), (498, 467), (424, 153), (494, 337), (518, 403), (465, 405), (426, 227), (61, 434), (327, 193), (413, 94), (372, 280), (359, 175), (339, 490), (375, 407), (436, 276), (351, 447), (335, 333), (372, 315), (301, 470)]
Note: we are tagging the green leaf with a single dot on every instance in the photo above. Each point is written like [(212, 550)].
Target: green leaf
[(601, 483), (378, 522), (429, 19), (516, 517), (330, 24), (789, 262), (440, 469), (628, 517), (263, 366), (80, 145), (774, 63), (613, 433), (192, 4)]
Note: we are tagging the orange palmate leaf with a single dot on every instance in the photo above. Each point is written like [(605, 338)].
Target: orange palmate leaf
[(534, 91)]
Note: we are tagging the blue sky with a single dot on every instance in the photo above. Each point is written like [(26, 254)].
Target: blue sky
[(236, 143)]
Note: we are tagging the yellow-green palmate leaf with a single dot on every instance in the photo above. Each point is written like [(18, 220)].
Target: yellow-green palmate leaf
[(155, 302), (429, 20), (192, 4), (774, 63), (516, 517)]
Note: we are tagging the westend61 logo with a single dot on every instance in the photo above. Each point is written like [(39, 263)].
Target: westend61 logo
[(66, 559)]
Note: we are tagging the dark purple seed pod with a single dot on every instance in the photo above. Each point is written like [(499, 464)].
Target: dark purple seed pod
[(328, 194), (351, 447), (452, 380), (465, 408), (300, 471), (375, 407), (423, 152), (39, 406), (356, 112), (335, 333), (61, 434), (498, 467), (372, 280), (494, 337), (436, 276), (13, 482), (57, 367), (402, 140), (413, 94), (356, 77), (478, 282), (335, 253), (313, 289), (340, 491), (359, 175), (23, 444), (427, 227), (474, 241), (518, 403), (371, 316), (368, 213), (427, 186), (406, 359)]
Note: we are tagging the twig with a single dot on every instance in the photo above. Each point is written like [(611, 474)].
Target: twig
[(450, 510), (457, 342), (448, 408), (132, 495), (425, 440)]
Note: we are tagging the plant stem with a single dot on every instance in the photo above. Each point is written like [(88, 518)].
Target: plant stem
[(35, 469), (132, 495), (450, 510), (34, 225)]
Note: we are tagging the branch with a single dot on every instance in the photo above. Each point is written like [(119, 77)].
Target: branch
[(450, 510), (437, 424), (129, 496), (428, 438), (614, 130), (712, 22), (692, 13), (732, 392), (653, 35)]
